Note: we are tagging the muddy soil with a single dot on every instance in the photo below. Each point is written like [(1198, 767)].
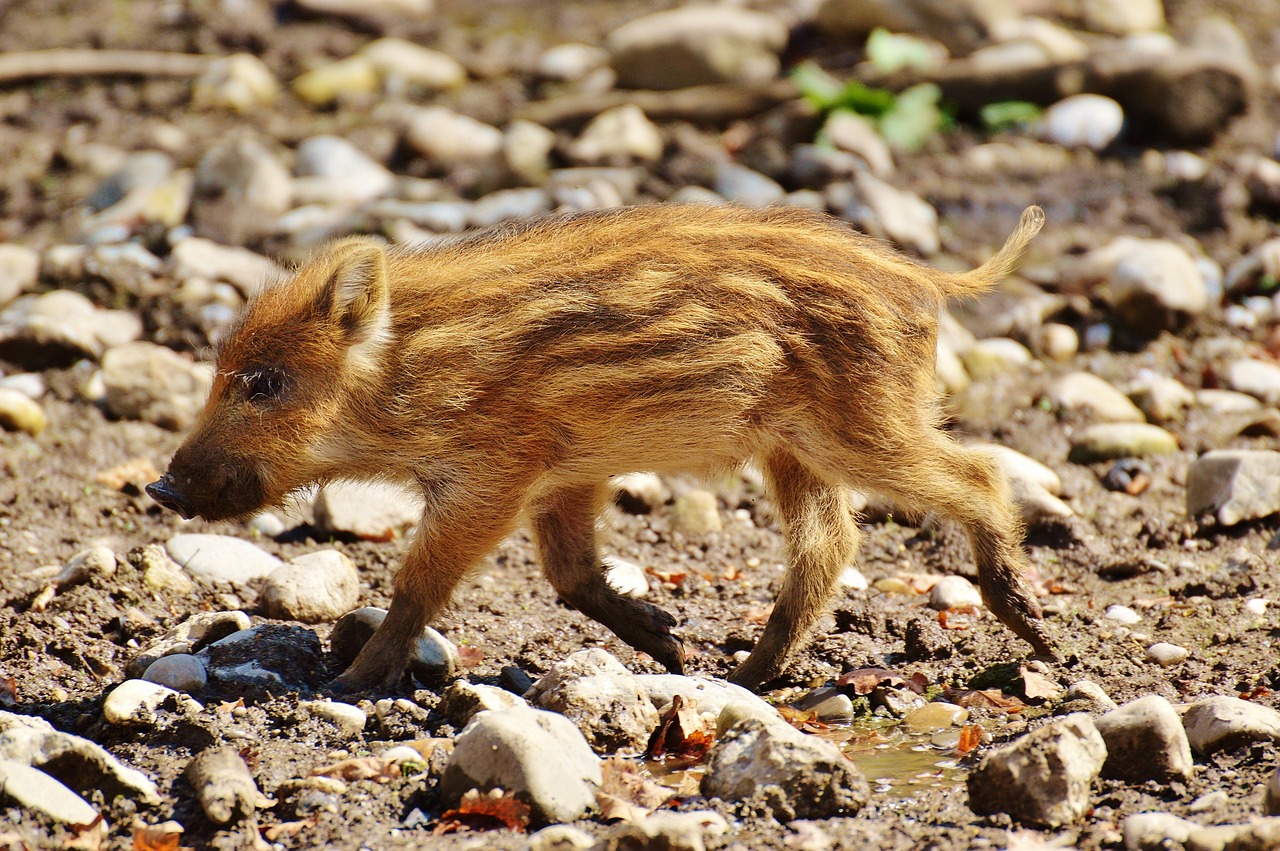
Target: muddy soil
[(1141, 551)]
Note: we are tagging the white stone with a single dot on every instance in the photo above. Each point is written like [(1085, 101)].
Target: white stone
[(19, 271), (607, 702), (1035, 487), (178, 671), (618, 136), (462, 701), (1057, 342), (625, 577), (1090, 691), (934, 716), (448, 138), (527, 148), (61, 326), (1088, 392), (371, 511), (1082, 121), (1165, 654), (33, 741), (139, 702), (347, 718), (898, 215), (221, 557), (1121, 17), (667, 829), (241, 83), (1163, 399), (312, 588), (408, 10), (324, 84), (640, 493), (1146, 741), (696, 512), (1045, 777), (154, 383), (1122, 614), (331, 170), (33, 789), (1229, 722), (398, 60), (199, 629), (1107, 441), (1226, 401), (1236, 485), (571, 62), (712, 695), (539, 756), (1152, 284), (994, 356), (196, 257), (953, 592), (854, 133), (697, 45), (1151, 831), (813, 776), (561, 837), (852, 579), (1257, 378)]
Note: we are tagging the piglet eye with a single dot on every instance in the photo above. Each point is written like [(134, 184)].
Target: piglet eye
[(263, 385)]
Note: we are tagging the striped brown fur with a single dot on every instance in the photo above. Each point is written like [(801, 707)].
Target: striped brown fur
[(510, 373)]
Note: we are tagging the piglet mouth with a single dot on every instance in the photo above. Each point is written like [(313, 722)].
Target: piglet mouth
[(167, 494)]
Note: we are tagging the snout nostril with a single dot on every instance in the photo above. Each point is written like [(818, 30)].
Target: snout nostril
[(163, 492)]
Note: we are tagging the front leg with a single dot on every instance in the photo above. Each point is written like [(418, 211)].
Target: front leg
[(455, 533)]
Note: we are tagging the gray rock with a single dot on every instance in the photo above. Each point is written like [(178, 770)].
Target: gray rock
[(266, 656), (448, 138), (506, 204), (140, 170), (178, 671), (434, 657), (241, 188), (1259, 379), (571, 62), (36, 791), (712, 695), (1089, 691), (435, 216), (370, 511), (156, 384), (1145, 741), (607, 702), (1082, 121), (1155, 831), (799, 776), (1035, 486), (96, 561), (1107, 441), (668, 830), (462, 701), (331, 170), (954, 592), (618, 136), (402, 62), (1045, 777), (19, 271), (60, 327), (139, 702), (962, 25), (19, 412), (80, 763), (697, 45), (538, 756), (856, 135), (1236, 485), (1153, 285), (744, 186), (527, 149), (221, 558), (828, 704), (312, 588), (895, 214), (347, 718), (241, 83), (187, 637), (1219, 723), (247, 271), (1086, 391)]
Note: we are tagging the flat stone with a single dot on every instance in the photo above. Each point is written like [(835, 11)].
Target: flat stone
[(221, 557), (266, 656), (77, 762), (1155, 831), (1259, 379), (1035, 486), (462, 701), (312, 588), (449, 138), (540, 757), (607, 702), (58, 328), (1092, 693), (1085, 391), (1235, 485), (247, 271), (803, 776), (36, 791), (178, 671), (1043, 778), (1108, 441), (829, 705), (370, 511), (1145, 741), (144, 381), (347, 718), (935, 716), (1165, 654), (1219, 723), (139, 702), (896, 214), (954, 592)]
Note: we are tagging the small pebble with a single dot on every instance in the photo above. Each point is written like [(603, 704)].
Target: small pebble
[(1122, 614), (179, 671), (1256, 606), (347, 718), (935, 716), (1166, 654), (954, 592)]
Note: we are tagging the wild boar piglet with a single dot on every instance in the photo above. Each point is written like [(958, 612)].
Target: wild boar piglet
[(512, 372)]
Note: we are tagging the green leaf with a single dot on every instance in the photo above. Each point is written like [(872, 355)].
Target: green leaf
[(915, 117), (817, 86), (1005, 114), (889, 52)]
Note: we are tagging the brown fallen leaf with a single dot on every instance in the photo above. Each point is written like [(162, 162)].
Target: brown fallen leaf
[(470, 656), (286, 829), (360, 768), (86, 837), (681, 733), (758, 615), (628, 792), (166, 836), (970, 738), (8, 691), (227, 706), (1037, 686), (674, 577), (991, 698), (477, 811), (957, 618), (867, 680)]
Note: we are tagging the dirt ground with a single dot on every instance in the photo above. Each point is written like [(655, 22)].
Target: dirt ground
[(1141, 551)]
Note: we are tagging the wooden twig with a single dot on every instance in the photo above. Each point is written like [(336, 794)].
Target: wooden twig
[(75, 62)]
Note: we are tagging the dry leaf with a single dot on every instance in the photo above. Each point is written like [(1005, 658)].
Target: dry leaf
[(680, 733), (628, 792), (8, 691), (225, 707), (991, 698), (86, 837), (731, 572), (132, 475), (970, 738), (1036, 686), (758, 615), (867, 680), (672, 577), (1260, 691), (957, 618), (166, 836), (287, 829), (477, 811), (470, 656), (359, 768)]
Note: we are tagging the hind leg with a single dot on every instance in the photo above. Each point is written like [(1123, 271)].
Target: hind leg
[(936, 473), (822, 539), (564, 526)]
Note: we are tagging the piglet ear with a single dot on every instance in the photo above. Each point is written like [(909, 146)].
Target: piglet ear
[(358, 289)]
